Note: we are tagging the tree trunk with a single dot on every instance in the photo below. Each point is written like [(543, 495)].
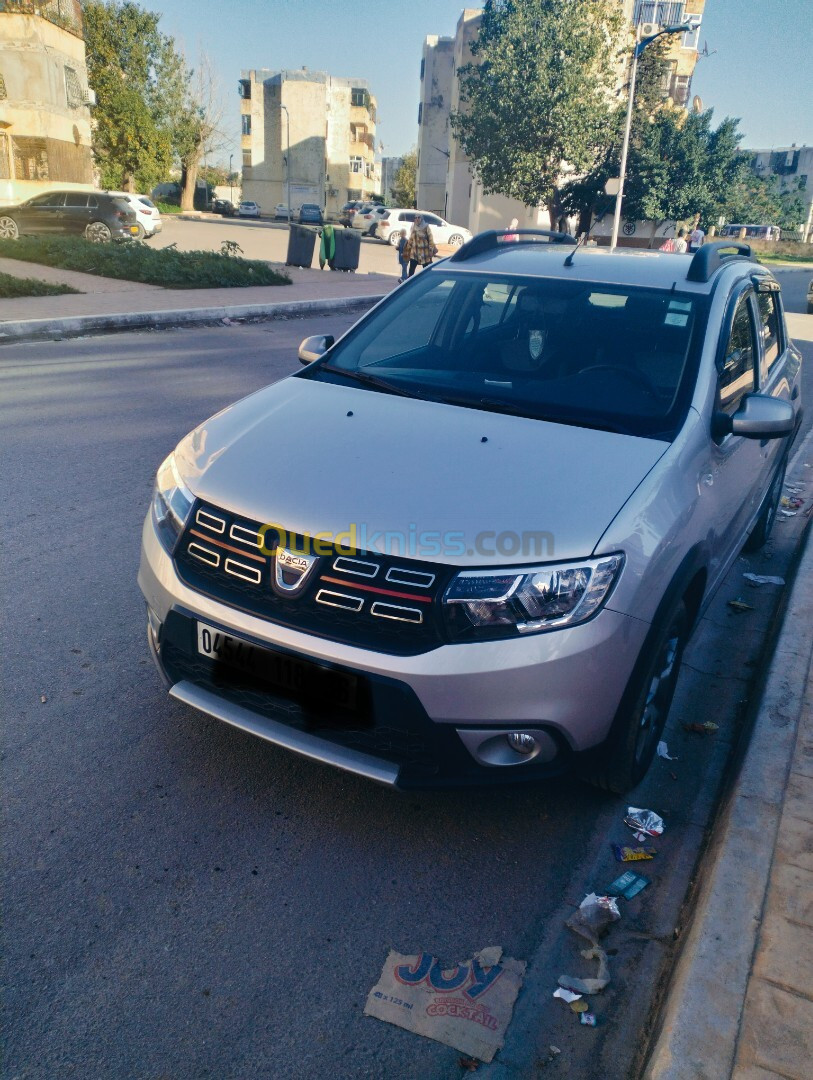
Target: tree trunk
[(189, 179)]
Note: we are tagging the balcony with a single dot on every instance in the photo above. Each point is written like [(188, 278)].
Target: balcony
[(66, 14)]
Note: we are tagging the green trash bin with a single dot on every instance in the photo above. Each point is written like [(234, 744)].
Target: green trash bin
[(301, 242), (348, 248)]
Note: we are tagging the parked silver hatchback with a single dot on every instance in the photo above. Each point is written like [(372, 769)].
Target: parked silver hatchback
[(470, 540)]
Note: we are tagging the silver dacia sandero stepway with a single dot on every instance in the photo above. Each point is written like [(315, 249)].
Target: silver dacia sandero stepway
[(470, 539)]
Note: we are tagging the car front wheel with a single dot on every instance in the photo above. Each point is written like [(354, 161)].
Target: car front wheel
[(8, 228), (622, 762), (455, 240), (98, 233), (394, 238)]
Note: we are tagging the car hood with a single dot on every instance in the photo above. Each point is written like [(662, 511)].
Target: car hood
[(414, 478)]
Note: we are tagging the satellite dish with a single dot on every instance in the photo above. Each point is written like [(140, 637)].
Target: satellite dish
[(697, 104)]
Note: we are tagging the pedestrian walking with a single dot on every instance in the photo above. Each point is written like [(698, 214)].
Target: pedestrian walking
[(676, 244), (696, 239), (402, 261), (420, 248)]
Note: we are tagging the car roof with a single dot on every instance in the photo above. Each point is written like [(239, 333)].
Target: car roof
[(645, 268)]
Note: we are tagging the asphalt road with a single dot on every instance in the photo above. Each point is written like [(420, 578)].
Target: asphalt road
[(184, 901), (794, 287), (261, 240)]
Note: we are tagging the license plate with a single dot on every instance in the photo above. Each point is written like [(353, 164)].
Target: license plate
[(302, 679)]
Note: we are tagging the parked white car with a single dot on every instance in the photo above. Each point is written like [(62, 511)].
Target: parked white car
[(148, 216), (282, 213), (248, 209), (367, 217), (393, 219)]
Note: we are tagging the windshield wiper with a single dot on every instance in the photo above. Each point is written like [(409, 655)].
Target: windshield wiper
[(370, 380)]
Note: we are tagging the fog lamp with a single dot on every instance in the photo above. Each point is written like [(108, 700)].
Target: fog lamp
[(522, 743)]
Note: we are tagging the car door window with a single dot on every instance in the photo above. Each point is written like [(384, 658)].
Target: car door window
[(430, 219), (737, 376), (50, 200), (409, 218), (769, 331), (76, 200)]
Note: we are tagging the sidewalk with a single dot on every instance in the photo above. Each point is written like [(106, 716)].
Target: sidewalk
[(108, 304), (740, 1003)]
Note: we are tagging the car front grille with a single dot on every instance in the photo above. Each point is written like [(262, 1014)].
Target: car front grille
[(378, 602)]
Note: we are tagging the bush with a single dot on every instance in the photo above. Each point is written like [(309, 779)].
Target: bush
[(168, 207), (11, 286), (133, 261)]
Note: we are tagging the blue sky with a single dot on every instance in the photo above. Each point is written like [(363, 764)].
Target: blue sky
[(759, 68)]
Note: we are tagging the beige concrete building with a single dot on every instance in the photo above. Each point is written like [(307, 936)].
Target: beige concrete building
[(332, 138), (45, 132), (463, 201)]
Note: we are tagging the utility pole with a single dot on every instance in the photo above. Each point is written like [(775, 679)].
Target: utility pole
[(637, 52), (287, 158)]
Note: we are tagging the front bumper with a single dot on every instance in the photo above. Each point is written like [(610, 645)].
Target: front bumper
[(424, 710)]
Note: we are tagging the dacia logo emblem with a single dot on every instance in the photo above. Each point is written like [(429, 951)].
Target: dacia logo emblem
[(536, 341), (292, 570)]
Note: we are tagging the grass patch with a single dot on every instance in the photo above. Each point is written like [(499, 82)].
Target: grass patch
[(12, 287), (132, 261), (770, 257), (168, 208)]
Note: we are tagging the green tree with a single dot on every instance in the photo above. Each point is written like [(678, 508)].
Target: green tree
[(585, 196), (683, 169), (403, 186), (537, 95), (139, 79)]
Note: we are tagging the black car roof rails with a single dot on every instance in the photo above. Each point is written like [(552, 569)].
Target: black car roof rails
[(494, 238), (711, 256)]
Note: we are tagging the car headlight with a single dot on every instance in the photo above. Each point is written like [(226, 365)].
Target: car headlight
[(487, 604), (172, 503)]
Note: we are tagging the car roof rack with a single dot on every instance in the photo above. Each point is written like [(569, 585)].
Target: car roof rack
[(711, 256), (494, 238)]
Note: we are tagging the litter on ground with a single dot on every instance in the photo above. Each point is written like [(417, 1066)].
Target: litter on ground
[(632, 854), (763, 579), (643, 823), (466, 1005), (589, 986), (740, 605), (663, 751), (566, 995), (628, 885)]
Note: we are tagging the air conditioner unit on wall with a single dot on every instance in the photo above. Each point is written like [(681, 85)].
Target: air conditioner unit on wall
[(648, 29), (90, 97)]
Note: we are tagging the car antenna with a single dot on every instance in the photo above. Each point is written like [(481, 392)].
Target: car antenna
[(579, 242)]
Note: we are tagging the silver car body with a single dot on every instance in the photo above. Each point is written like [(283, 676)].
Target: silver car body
[(679, 512)]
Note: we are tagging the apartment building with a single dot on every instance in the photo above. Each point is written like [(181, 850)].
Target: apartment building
[(45, 131), (389, 171), (445, 183), (310, 129), (793, 168)]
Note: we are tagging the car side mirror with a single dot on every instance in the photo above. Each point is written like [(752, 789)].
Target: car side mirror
[(314, 347), (758, 417)]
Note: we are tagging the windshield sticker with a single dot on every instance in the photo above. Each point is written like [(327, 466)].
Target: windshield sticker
[(675, 318)]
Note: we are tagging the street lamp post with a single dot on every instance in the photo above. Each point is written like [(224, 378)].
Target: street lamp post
[(231, 186), (287, 158), (637, 52)]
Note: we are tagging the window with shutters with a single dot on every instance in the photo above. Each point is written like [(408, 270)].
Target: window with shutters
[(3, 94)]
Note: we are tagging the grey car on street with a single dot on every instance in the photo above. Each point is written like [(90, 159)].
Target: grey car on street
[(470, 539)]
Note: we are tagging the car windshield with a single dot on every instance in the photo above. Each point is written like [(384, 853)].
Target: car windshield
[(619, 358)]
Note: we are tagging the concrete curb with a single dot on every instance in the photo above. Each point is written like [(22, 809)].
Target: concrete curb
[(700, 1022), (76, 325)]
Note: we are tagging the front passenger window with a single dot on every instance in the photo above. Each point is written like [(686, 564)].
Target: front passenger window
[(737, 376)]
